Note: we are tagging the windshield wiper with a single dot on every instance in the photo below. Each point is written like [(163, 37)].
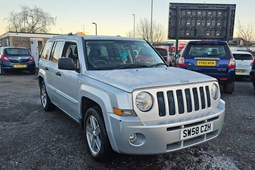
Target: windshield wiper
[(124, 66), (157, 64)]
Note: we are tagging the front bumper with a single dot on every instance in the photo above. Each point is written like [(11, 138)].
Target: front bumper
[(164, 137)]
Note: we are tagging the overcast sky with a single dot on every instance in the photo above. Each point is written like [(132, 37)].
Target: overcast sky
[(113, 17)]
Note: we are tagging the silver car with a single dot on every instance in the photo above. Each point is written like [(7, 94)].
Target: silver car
[(126, 98)]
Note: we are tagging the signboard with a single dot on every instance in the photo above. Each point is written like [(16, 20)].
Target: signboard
[(201, 21)]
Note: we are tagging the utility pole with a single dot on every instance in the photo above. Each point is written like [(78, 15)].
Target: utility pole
[(134, 24)]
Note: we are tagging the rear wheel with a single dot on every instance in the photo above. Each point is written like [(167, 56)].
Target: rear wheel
[(1, 70), (32, 71), (229, 87), (45, 100), (96, 136)]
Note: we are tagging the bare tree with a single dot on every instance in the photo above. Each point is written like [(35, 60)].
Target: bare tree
[(245, 32), (143, 30), (31, 20)]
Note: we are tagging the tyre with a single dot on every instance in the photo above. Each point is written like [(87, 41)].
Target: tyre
[(32, 71), (1, 70), (229, 87), (45, 100), (96, 136)]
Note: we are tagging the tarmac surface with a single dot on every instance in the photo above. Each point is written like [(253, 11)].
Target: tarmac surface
[(33, 139)]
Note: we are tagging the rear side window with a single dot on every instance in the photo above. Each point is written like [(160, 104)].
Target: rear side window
[(57, 51), (243, 56), (16, 52), (198, 50), (46, 51)]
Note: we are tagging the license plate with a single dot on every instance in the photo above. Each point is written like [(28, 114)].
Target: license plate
[(194, 131), (240, 71), (19, 66), (206, 63)]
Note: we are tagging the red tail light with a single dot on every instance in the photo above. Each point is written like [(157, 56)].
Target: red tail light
[(31, 58), (232, 63), (181, 62), (4, 58), (253, 62)]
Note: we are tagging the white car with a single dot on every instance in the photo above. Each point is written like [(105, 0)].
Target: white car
[(243, 62)]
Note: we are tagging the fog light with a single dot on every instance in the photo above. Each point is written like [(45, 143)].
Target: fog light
[(133, 138)]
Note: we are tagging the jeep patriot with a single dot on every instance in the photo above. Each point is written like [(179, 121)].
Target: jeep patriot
[(126, 98)]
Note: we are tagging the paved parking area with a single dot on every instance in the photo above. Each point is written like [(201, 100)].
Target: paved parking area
[(33, 139)]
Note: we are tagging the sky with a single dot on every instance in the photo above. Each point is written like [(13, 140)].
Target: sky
[(113, 17)]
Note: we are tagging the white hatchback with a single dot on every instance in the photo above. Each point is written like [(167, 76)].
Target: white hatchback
[(243, 62)]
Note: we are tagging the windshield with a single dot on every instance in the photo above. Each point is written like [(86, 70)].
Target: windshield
[(116, 54), (16, 52)]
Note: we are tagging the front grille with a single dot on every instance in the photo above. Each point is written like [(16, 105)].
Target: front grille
[(183, 101)]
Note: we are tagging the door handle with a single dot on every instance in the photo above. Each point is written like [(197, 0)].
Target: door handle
[(46, 68), (58, 74)]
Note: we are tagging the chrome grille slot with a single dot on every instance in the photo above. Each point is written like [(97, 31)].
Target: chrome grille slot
[(196, 101), (188, 100), (180, 101), (161, 104), (171, 103), (202, 97)]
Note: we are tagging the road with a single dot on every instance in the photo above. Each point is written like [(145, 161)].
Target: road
[(33, 139)]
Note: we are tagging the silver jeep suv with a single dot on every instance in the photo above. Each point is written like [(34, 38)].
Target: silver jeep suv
[(126, 98)]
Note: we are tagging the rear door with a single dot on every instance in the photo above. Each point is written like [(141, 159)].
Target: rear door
[(207, 58), (51, 70)]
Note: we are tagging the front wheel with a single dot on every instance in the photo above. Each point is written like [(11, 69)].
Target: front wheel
[(45, 100), (229, 87), (96, 135)]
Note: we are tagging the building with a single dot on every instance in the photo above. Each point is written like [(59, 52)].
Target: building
[(33, 41)]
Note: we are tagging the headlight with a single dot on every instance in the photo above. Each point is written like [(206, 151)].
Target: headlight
[(215, 91), (144, 101)]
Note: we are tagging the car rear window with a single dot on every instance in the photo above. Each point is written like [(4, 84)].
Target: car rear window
[(198, 50), (243, 56), (16, 52), (162, 52)]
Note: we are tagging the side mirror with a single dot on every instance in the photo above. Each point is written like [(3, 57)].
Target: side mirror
[(66, 64)]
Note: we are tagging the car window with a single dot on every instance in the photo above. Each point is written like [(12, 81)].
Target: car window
[(16, 52), (162, 52), (116, 54), (206, 50), (243, 56), (46, 51), (71, 51), (57, 51)]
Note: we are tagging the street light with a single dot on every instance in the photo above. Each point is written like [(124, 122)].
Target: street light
[(95, 27), (151, 17), (134, 24)]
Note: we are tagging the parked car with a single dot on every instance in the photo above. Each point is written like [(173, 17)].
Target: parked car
[(210, 57), (12, 58), (126, 98), (165, 55), (252, 73), (244, 62)]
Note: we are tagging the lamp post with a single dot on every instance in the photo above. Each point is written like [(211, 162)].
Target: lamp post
[(134, 24), (151, 18), (95, 27)]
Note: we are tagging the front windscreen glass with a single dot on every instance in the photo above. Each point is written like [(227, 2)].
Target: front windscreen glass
[(117, 54)]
